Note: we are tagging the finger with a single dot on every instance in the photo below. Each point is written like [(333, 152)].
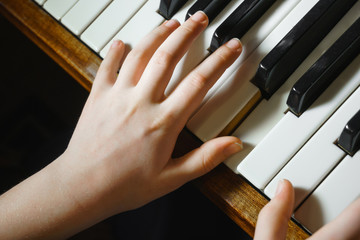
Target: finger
[(161, 66), (273, 219), (107, 73), (201, 160), (345, 227), (139, 57), (191, 91)]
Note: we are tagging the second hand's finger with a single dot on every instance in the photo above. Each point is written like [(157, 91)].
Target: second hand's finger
[(191, 91), (345, 226), (273, 219)]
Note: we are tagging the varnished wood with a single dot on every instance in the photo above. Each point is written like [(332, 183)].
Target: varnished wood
[(240, 201), (73, 56)]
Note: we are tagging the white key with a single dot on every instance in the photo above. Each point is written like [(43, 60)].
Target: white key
[(58, 8), (234, 90), (180, 15), (284, 140), (143, 22), (110, 21), (333, 195), (317, 157), (82, 14), (198, 51), (40, 2), (269, 112)]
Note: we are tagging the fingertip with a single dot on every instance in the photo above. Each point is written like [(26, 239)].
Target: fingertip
[(234, 146), (172, 24), (200, 17), (234, 44), (283, 185), (273, 218), (285, 192), (117, 44)]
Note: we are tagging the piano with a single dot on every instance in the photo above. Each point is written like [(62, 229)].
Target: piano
[(302, 125)]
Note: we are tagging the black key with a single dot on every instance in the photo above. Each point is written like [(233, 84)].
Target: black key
[(288, 54), (169, 7), (239, 21), (210, 7), (349, 139), (325, 70)]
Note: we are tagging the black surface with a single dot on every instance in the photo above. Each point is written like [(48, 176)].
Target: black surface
[(210, 7), (40, 105), (239, 21), (289, 53), (325, 70), (168, 8), (349, 139)]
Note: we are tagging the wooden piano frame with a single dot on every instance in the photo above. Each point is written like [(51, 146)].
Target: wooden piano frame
[(230, 192)]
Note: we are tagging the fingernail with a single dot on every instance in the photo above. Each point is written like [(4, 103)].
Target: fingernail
[(172, 23), (233, 148), (199, 16), (116, 43), (234, 44), (279, 187)]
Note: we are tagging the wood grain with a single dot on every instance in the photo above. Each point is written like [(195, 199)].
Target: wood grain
[(230, 192), (73, 56)]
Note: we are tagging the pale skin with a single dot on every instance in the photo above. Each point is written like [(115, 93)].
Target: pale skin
[(119, 157)]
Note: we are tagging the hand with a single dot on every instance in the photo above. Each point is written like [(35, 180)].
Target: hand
[(128, 128), (273, 219), (119, 156)]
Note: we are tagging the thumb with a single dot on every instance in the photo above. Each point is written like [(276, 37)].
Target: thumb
[(202, 160), (273, 219)]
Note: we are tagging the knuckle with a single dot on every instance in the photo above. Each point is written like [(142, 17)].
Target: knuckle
[(198, 80), (136, 55), (163, 57), (162, 122), (207, 164), (222, 55)]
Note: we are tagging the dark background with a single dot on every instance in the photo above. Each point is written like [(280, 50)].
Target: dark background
[(40, 105)]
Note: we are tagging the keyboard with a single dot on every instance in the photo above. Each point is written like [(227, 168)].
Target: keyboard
[(280, 141)]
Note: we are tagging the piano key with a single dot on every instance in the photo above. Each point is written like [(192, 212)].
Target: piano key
[(198, 51), (111, 20), (239, 21), (58, 8), (130, 36), (277, 66), (40, 2), (337, 192), (325, 70), (153, 19), (349, 139), (210, 7), (291, 132), (168, 8), (318, 156), (82, 14), (256, 126), (233, 91), (181, 13)]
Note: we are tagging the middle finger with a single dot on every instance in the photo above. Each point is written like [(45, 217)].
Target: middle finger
[(161, 66)]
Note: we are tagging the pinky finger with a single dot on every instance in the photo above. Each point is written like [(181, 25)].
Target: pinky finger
[(107, 73)]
